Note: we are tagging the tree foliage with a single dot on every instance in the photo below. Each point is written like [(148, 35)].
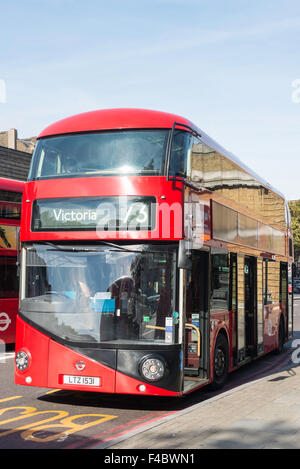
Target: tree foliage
[(295, 214)]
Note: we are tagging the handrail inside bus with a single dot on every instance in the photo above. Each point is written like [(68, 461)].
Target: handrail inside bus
[(188, 324)]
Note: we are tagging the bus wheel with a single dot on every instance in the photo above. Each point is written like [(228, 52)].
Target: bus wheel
[(221, 362), (280, 337)]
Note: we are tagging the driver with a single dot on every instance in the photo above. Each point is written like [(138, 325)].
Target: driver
[(70, 165)]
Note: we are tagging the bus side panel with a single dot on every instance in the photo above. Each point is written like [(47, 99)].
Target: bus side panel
[(272, 317), (283, 309), (64, 361), (36, 345), (8, 314), (127, 385)]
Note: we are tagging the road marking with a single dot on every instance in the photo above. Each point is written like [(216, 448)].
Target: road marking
[(60, 419), (27, 413), (122, 426), (10, 398), (138, 428), (67, 423)]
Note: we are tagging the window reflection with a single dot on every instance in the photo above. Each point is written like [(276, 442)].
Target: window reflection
[(101, 294), (219, 283), (105, 153), (210, 169)]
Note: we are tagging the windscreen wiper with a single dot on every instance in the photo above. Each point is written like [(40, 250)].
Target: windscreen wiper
[(55, 247), (117, 247)]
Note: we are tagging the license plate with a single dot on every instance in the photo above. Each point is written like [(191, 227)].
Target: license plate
[(81, 380)]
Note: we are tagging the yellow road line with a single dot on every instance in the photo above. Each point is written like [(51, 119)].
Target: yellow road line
[(10, 398)]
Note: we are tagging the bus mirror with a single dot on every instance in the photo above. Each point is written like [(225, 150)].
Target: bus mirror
[(184, 255)]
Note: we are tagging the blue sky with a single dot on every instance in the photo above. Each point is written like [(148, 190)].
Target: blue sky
[(226, 65)]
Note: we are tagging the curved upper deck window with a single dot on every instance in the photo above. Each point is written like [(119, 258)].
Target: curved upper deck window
[(114, 153)]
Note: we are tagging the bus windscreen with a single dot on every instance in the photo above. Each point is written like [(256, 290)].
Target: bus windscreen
[(139, 152)]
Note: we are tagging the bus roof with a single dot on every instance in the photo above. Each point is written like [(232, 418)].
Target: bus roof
[(111, 119), (131, 118), (12, 185)]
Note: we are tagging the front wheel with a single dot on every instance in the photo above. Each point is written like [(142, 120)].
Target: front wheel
[(280, 337), (221, 362)]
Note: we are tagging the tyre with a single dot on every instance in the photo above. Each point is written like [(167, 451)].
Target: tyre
[(280, 337), (221, 362)]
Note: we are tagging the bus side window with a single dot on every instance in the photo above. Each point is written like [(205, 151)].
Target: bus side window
[(219, 283)]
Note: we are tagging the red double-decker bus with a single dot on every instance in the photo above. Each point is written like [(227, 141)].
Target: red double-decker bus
[(153, 261), (10, 214)]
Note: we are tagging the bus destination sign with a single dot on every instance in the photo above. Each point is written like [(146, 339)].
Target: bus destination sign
[(94, 213)]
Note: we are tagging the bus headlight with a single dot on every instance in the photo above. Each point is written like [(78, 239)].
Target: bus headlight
[(22, 360), (152, 368)]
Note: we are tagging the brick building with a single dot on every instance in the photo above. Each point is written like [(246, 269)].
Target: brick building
[(15, 155), (10, 139)]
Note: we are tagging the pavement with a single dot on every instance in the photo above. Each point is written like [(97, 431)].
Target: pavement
[(261, 414)]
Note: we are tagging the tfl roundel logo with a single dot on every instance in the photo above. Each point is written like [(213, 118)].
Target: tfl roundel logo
[(80, 366), (4, 321)]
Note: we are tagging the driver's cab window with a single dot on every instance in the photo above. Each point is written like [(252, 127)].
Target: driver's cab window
[(50, 163), (181, 147)]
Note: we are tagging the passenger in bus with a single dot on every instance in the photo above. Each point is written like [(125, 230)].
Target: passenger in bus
[(70, 165), (163, 310), (121, 290), (150, 291)]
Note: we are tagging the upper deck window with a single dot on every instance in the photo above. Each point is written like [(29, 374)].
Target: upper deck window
[(133, 152), (10, 204)]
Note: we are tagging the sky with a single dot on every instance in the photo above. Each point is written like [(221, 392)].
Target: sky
[(230, 66)]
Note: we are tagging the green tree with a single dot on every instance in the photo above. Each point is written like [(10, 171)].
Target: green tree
[(295, 214)]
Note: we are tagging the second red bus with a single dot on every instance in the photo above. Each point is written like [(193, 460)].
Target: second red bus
[(10, 214)]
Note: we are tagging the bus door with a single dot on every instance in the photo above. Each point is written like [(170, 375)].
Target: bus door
[(9, 299), (250, 281), (197, 316), (290, 301), (283, 294)]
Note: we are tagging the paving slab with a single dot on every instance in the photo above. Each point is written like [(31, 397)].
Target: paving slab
[(261, 414)]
